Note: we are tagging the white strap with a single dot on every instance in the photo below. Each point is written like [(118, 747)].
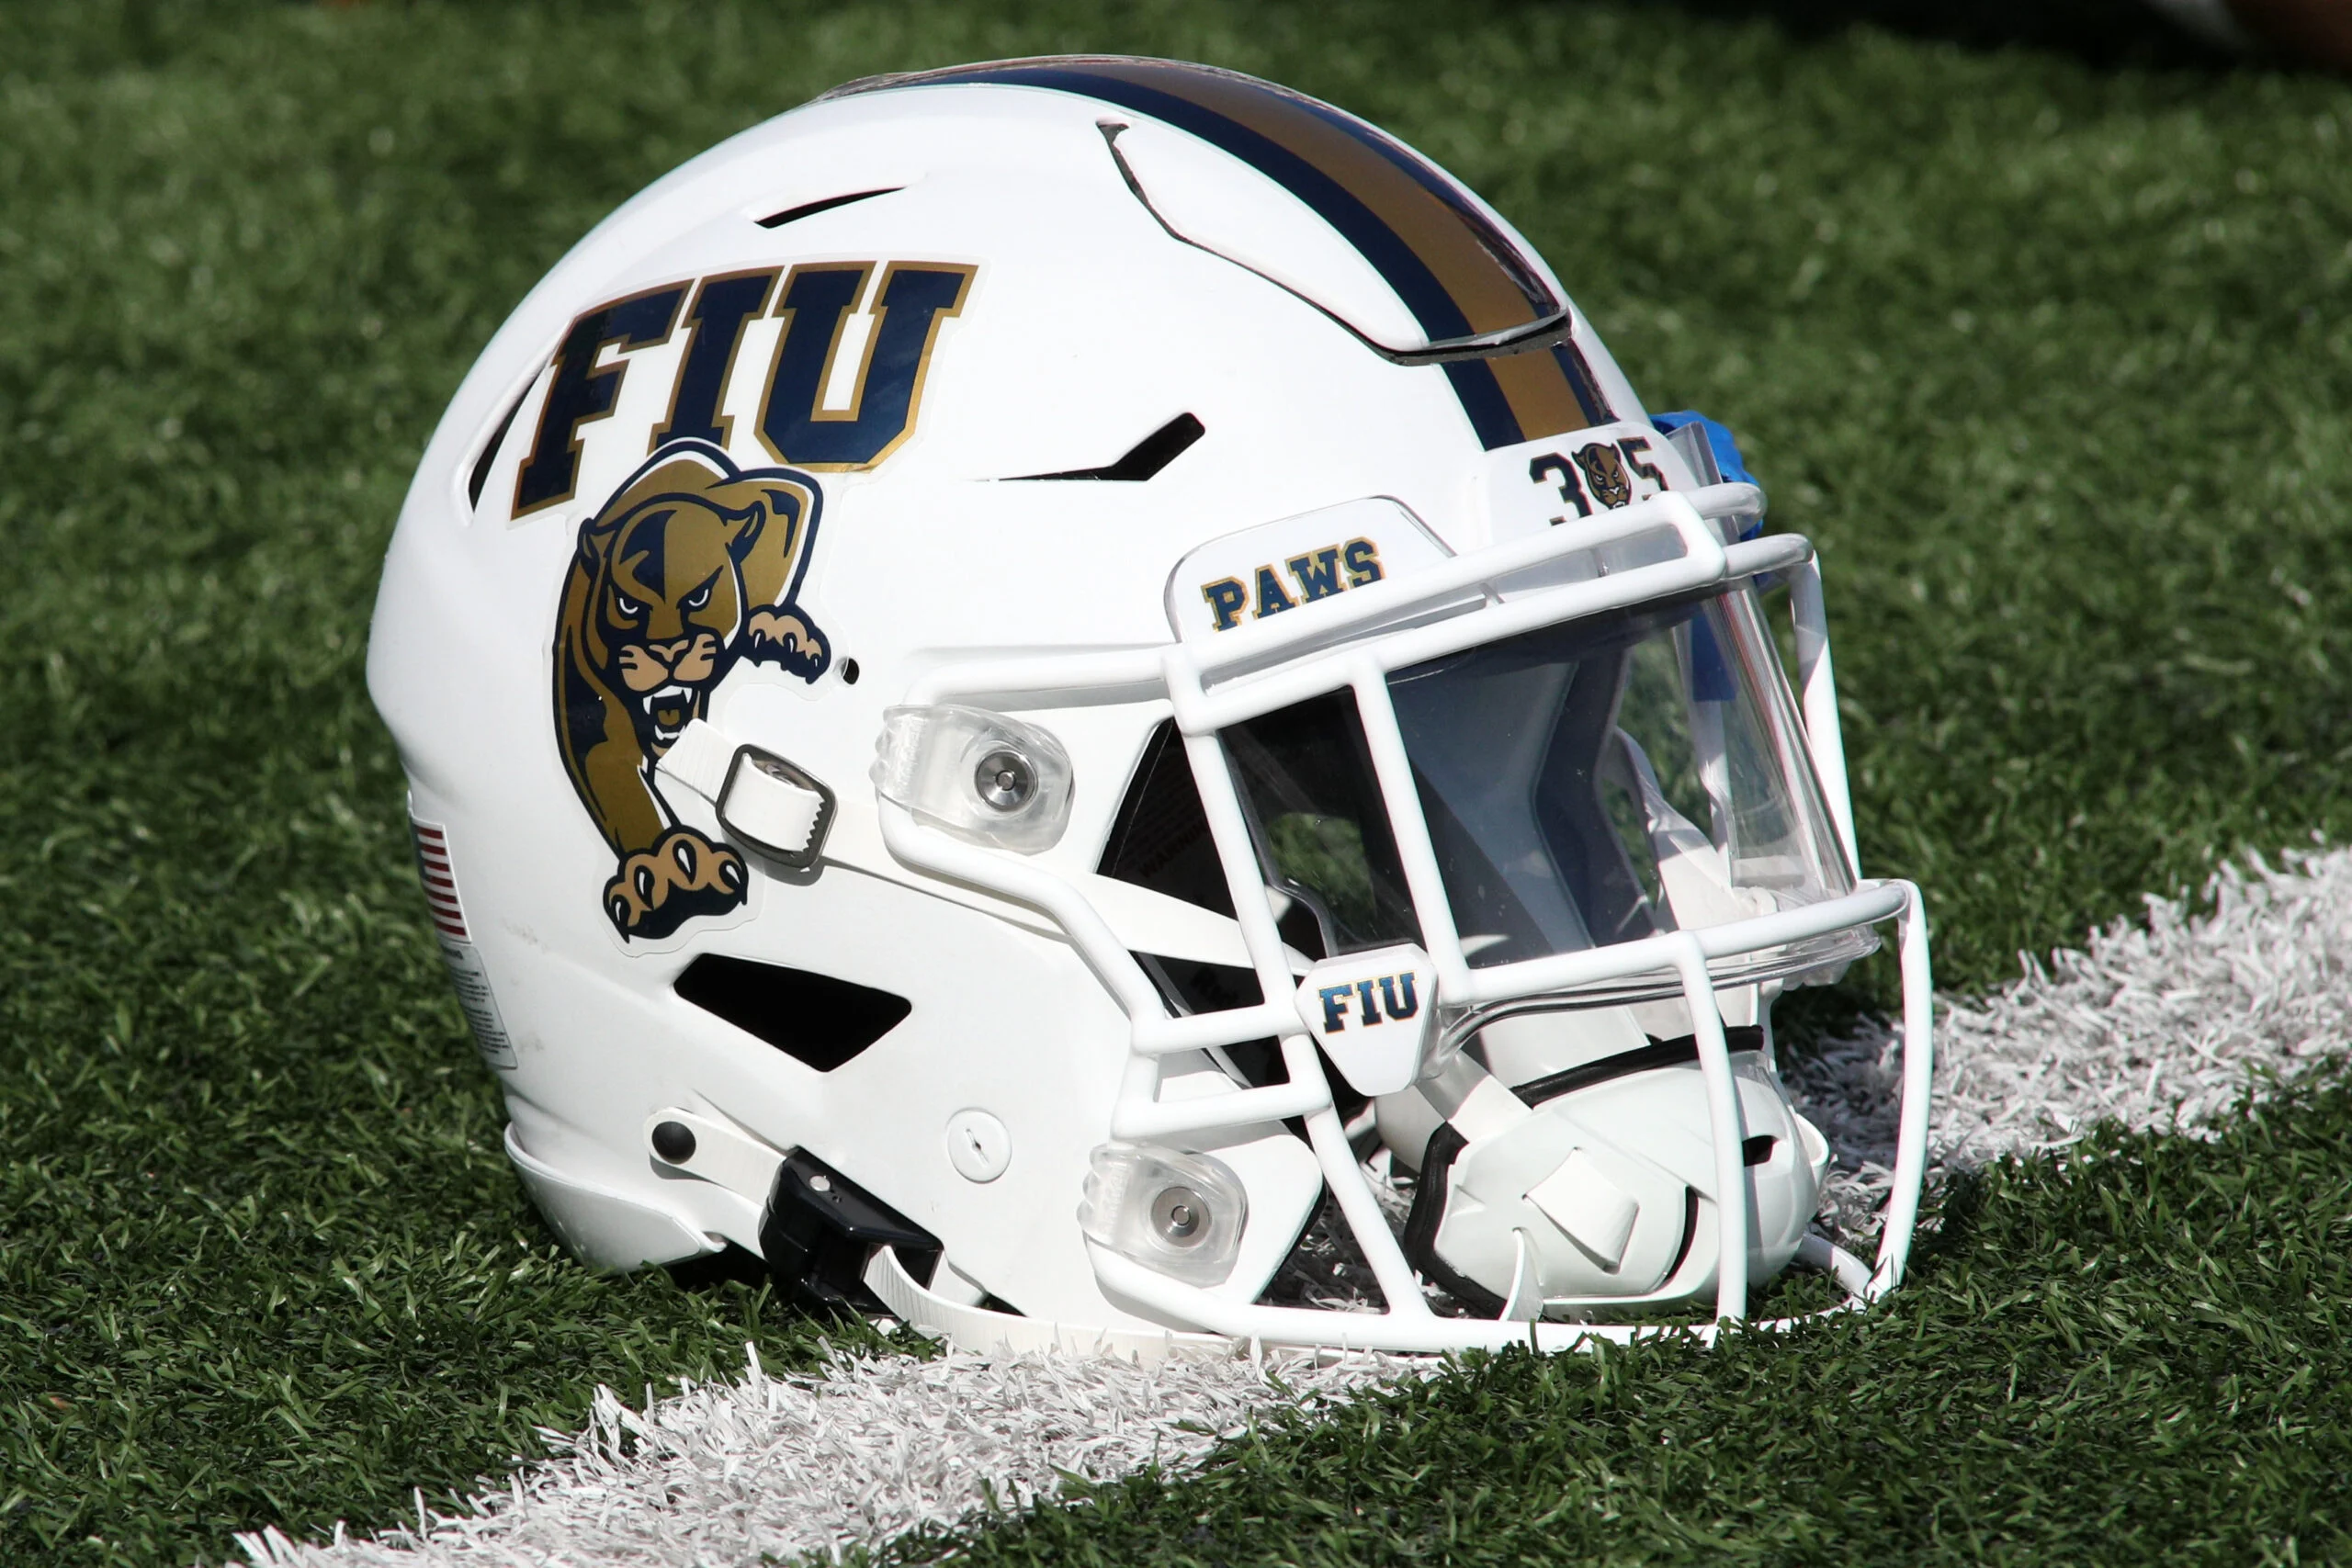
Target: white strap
[(699, 759), (1596, 1213), (771, 808), (984, 1332)]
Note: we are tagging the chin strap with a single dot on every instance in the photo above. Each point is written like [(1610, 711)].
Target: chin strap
[(1476, 1104)]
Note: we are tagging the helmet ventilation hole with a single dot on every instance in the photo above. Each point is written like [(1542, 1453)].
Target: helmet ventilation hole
[(1145, 458), (816, 1020), (810, 208)]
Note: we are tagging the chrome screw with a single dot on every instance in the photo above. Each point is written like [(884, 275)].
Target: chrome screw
[(1005, 780)]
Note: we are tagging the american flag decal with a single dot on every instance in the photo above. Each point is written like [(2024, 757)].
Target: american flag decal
[(440, 881)]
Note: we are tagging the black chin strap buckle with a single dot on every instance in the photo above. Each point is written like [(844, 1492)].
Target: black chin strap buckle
[(821, 1230)]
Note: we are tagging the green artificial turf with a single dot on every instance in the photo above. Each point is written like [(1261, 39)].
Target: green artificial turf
[(2046, 342)]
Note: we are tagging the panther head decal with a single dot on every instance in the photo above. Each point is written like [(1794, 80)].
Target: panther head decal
[(1604, 474), (690, 568)]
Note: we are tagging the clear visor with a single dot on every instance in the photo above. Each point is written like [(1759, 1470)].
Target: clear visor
[(1582, 784)]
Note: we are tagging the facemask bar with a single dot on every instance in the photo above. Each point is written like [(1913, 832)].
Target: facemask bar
[(1270, 665)]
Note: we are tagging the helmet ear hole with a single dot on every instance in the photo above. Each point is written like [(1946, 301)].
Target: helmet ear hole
[(816, 1020)]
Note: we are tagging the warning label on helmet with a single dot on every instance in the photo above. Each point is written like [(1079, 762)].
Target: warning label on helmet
[(474, 998), (439, 873)]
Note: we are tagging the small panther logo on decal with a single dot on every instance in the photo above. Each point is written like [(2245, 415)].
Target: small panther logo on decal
[(692, 566), (1604, 474)]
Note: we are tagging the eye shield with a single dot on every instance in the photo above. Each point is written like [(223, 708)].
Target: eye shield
[(1582, 784)]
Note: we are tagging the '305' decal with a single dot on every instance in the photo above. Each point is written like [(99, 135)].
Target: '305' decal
[(1613, 473)]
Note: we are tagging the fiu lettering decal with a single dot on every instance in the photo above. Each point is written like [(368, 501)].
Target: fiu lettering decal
[(693, 566), (723, 307), (817, 307), (581, 392), (912, 300), (1603, 471), (1395, 990), (1317, 574)]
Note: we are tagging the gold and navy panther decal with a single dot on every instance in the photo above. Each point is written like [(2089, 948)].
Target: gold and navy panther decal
[(693, 566)]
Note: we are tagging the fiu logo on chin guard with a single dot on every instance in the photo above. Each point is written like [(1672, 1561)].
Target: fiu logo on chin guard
[(1397, 991), (692, 566), (1317, 574)]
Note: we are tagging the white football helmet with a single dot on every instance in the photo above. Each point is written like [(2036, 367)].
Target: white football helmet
[(1071, 699)]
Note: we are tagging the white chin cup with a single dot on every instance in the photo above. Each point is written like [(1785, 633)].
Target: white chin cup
[(1598, 1223)]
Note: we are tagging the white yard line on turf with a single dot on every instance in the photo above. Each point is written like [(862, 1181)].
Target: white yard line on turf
[(864, 1449), (2159, 1024)]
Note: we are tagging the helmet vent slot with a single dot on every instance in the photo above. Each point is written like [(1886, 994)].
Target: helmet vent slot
[(816, 1020), (1690, 1234), (481, 476), (1145, 458), (810, 208)]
